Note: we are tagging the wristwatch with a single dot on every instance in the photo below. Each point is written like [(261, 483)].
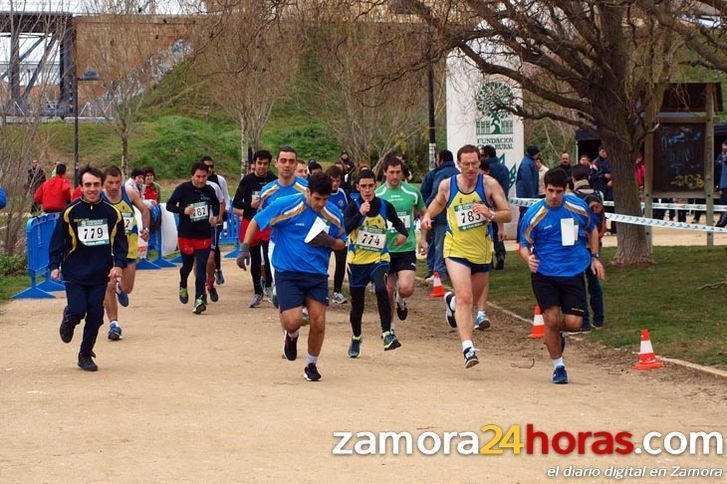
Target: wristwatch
[(596, 256)]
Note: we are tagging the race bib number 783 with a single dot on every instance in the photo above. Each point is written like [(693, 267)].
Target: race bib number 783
[(467, 218)]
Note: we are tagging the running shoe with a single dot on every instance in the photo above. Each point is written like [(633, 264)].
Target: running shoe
[(256, 300), (290, 348), (274, 298), (449, 313), (339, 298), (86, 363), (199, 305), (67, 327), (354, 349), (183, 295), (311, 373), (598, 325), (390, 341), (482, 322), (219, 278), (402, 311), (121, 295), (560, 376), (114, 331), (213, 293), (470, 357), (268, 291)]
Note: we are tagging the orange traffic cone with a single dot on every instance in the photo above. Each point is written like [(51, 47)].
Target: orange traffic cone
[(647, 358), (437, 288), (538, 329)]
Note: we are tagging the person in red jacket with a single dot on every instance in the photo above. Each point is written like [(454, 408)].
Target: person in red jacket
[(54, 194)]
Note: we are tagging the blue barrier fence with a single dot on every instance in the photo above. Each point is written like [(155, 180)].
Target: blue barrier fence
[(38, 232)]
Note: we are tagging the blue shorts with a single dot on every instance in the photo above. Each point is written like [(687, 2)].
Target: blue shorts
[(294, 287), (359, 275), (475, 268)]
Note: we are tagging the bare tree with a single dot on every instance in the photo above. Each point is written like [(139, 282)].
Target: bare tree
[(250, 60), (356, 44), (699, 23), (123, 46), (607, 62), (28, 88)]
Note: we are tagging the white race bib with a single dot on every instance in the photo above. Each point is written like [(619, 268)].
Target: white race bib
[(404, 217), (568, 232), (129, 221), (201, 212), (371, 238), (93, 232), (467, 218)]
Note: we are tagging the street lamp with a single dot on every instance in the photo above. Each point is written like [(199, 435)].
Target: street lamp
[(87, 76)]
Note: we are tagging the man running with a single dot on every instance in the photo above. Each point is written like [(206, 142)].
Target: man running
[(214, 264), (286, 184), (408, 203), (340, 200), (305, 229), (468, 199), (115, 193), (553, 236), (89, 241), (245, 205), (194, 201), (368, 257)]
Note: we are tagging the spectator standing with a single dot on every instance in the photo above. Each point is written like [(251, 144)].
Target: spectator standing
[(527, 179), (439, 223), (426, 191), (152, 191), (135, 183), (721, 162), (542, 170), (499, 172), (54, 194), (601, 179), (36, 177)]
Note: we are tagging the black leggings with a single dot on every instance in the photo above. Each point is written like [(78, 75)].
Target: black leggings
[(199, 260), (257, 253), (340, 269), (358, 299), (218, 257)]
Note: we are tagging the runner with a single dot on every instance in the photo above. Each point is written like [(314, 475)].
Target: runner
[(90, 243), (245, 205), (301, 169), (214, 265), (115, 193), (553, 236), (467, 199), (304, 242), (339, 199), (286, 184), (408, 203), (193, 201), (368, 258)]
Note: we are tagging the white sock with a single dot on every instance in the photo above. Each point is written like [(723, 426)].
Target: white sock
[(558, 362), (294, 334), (481, 312), (114, 321), (467, 344), (312, 359)]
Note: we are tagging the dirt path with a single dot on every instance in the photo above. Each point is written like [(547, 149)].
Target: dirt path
[(209, 399)]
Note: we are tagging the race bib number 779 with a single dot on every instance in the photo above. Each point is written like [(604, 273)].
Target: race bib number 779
[(93, 232)]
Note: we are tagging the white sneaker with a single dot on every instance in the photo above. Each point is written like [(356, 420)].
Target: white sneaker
[(339, 298), (482, 322), (450, 303)]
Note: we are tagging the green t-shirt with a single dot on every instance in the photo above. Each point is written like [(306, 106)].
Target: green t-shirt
[(404, 199)]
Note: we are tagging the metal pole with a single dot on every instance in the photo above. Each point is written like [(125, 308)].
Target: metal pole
[(75, 131), (709, 163), (432, 133)]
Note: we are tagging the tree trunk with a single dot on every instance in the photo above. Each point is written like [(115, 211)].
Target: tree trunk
[(125, 155), (243, 150), (633, 247)]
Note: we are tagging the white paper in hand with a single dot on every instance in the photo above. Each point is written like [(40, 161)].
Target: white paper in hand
[(318, 226)]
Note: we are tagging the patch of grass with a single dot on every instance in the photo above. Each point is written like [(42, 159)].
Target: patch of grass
[(684, 322), (12, 276)]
